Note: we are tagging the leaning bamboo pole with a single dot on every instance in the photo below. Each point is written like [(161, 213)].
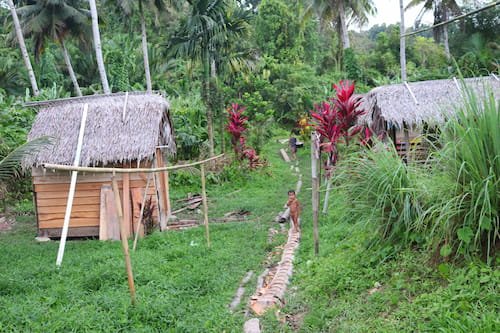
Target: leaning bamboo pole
[(72, 188), (124, 240), (205, 206), (126, 170)]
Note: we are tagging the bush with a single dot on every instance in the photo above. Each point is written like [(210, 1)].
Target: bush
[(465, 218)]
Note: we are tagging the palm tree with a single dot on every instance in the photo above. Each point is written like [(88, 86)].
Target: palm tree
[(340, 13), (205, 36), (55, 20), (442, 11), (22, 46), (156, 6), (97, 46)]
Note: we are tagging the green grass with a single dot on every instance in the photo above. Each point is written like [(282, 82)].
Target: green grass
[(181, 285), (330, 293)]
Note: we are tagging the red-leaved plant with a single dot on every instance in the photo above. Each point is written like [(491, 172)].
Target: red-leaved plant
[(337, 118), (236, 126)]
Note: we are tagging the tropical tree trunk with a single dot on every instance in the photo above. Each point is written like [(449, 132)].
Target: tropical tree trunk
[(445, 35), (344, 37), (22, 46), (402, 42), (97, 46), (71, 72), (208, 104), (149, 86)]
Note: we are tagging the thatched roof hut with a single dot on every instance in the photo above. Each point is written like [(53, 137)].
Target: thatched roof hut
[(122, 130), (432, 101), (114, 133)]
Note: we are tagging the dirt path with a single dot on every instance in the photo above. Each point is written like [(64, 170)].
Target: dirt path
[(272, 283)]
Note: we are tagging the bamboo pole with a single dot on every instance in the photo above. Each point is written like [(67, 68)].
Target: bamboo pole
[(315, 192), (407, 139), (161, 195), (124, 241), (205, 206), (126, 170), (72, 188), (142, 212), (127, 209)]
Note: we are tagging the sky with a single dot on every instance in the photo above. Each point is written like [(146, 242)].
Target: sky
[(388, 12)]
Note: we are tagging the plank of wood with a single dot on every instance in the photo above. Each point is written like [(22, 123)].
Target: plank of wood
[(94, 200), (284, 155), (127, 209), (110, 213), (103, 225), (63, 195), (56, 216), (75, 222), (136, 209), (83, 186), (62, 209)]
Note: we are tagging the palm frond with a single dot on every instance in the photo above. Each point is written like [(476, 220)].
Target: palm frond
[(10, 164)]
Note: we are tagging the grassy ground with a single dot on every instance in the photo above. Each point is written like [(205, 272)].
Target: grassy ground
[(184, 287), (181, 285), (349, 288)]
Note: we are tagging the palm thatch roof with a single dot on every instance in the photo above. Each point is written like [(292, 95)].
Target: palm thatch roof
[(432, 101), (113, 133)]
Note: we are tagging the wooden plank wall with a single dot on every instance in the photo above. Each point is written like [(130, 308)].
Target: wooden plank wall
[(52, 194)]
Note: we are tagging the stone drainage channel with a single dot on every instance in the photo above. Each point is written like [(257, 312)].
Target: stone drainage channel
[(272, 283)]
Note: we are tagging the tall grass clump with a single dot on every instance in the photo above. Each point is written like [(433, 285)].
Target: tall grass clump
[(382, 191), (465, 220)]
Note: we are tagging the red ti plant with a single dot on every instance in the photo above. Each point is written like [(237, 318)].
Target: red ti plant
[(236, 126), (327, 125), (349, 109)]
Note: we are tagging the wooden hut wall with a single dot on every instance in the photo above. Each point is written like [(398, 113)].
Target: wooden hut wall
[(51, 195)]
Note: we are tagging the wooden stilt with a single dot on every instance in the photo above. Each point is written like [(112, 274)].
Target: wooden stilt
[(142, 212), (315, 190), (160, 190), (407, 139), (205, 206), (123, 236), (72, 188)]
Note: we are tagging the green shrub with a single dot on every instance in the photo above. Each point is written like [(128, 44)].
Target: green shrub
[(383, 191), (465, 217)]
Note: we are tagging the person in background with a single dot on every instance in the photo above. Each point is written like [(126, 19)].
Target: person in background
[(292, 143)]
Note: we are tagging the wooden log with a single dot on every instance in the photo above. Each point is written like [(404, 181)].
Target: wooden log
[(284, 155), (205, 205), (315, 192), (124, 241), (69, 205)]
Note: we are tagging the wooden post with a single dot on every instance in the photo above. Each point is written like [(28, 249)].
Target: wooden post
[(167, 194), (315, 190), (127, 208), (123, 236), (205, 206), (160, 191), (142, 212), (72, 188), (407, 139)]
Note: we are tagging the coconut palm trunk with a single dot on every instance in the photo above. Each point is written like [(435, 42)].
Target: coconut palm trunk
[(97, 46), (402, 42), (71, 72), (208, 100), (149, 86), (22, 46), (344, 37)]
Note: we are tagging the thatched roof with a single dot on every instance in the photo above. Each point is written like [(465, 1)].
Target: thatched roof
[(109, 136), (435, 100)]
